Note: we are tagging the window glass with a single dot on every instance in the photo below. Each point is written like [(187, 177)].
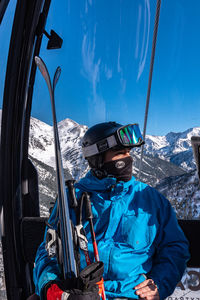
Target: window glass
[(173, 113), (105, 62)]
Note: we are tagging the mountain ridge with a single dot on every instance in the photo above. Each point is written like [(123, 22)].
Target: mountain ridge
[(173, 147), (166, 158)]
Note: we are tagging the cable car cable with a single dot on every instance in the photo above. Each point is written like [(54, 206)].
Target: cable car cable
[(150, 79)]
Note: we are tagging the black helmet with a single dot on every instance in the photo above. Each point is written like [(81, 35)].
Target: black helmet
[(104, 136), (98, 132)]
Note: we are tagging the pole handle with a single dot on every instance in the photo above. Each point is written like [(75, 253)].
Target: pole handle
[(72, 194), (88, 207)]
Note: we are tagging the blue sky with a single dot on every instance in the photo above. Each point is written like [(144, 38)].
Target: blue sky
[(105, 61)]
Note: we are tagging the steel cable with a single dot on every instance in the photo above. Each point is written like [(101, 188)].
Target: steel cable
[(150, 79)]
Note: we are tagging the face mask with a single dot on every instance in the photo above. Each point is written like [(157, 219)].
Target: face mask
[(121, 168)]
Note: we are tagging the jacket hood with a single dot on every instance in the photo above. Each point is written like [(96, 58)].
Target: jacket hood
[(91, 183)]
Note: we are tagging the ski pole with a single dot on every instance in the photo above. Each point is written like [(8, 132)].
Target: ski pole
[(89, 217), (83, 242), (72, 194), (78, 208)]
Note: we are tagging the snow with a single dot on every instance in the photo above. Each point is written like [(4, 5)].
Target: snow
[(174, 147), (41, 145)]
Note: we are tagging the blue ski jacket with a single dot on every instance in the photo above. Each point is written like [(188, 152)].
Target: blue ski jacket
[(137, 235)]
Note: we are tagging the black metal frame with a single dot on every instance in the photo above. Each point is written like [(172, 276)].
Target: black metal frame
[(3, 7), (14, 166)]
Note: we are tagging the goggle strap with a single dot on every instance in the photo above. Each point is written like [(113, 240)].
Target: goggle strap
[(111, 141), (90, 150), (93, 149)]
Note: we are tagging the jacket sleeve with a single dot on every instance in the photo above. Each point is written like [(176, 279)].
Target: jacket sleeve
[(172, 251), (46, 269)]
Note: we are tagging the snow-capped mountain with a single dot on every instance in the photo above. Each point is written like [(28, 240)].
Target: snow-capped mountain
[(41, 145), (184, 194), (174, 147), (153, 169)]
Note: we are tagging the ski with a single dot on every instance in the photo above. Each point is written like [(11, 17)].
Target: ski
[(68, 258)]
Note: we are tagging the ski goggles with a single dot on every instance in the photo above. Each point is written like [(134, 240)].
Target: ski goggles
[(128, 136)]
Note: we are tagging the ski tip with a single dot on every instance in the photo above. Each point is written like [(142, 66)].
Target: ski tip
[(44, 71), (40, 63), (56, 76), (37, 60), (58, 70)]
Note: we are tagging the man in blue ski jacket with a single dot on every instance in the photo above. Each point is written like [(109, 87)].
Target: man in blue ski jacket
[(139, 240)]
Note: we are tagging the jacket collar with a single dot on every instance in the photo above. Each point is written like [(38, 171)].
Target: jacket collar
[(91, 183)]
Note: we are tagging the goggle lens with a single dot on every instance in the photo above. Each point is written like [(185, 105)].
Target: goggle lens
[(130, 135)]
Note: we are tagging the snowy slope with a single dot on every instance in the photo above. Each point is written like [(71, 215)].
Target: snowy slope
[(164, 155), (71, 134), (174, 147), (41, 144), (154, 169), (184, 194)]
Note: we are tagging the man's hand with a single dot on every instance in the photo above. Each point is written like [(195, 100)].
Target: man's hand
[(147, 290)]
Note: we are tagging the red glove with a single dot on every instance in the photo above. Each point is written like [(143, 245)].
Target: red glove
[(55, 293), (83, 287)]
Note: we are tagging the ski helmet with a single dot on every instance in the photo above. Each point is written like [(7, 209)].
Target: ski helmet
[(104, 136)]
